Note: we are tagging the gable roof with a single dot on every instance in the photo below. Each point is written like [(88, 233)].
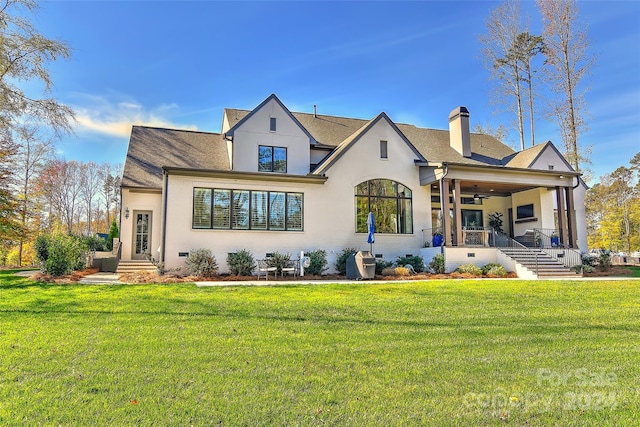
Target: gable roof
[(354, 137), (271, 97), (526, 158), (432, 144), (152, 148)]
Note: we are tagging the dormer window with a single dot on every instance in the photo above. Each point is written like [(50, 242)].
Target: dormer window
[(272, 124), (272, 159)]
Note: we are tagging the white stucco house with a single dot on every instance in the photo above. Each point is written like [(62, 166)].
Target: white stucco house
[(277, 180)]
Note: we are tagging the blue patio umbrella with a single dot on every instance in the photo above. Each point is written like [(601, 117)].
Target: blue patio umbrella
[(371, 228)]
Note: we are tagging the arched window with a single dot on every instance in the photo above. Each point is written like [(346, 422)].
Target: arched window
[(390, 203)]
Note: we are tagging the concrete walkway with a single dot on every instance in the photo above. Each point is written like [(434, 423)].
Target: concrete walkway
[(101, 279), (112, 279)]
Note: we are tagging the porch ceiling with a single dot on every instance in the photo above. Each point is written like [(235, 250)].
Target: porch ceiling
[(489, 188)]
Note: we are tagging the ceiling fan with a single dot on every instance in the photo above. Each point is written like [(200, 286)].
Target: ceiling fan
[(477, 197)]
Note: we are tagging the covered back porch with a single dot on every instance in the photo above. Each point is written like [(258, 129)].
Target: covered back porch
[(535, 208)]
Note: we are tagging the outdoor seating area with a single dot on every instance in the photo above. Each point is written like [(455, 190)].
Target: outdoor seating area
[(277, 265)]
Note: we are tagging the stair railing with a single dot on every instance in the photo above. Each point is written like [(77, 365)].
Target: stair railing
[(549, 242), (502, 241)]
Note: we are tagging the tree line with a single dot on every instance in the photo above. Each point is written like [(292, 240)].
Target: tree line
[(613, 210), (39, 193), (550, 67)]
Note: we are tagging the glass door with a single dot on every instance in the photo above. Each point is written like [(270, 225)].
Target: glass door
[(141, 235)]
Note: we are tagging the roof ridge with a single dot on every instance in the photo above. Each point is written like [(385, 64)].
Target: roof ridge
[(176, 130)]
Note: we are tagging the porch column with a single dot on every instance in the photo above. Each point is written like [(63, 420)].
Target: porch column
[(444, 206), (562, 229), (571, 219), (457, 213)]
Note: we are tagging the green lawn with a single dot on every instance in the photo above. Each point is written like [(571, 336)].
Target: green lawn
[(475, 352)]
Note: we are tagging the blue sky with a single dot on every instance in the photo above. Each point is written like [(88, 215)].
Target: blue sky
[(178, 64)]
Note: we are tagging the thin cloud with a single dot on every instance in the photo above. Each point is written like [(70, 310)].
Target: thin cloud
[(107, 116)]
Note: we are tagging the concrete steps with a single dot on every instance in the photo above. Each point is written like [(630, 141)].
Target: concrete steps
[(135, 266), (547, 266)]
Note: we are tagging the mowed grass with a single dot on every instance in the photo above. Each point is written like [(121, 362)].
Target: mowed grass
[(474, 352)]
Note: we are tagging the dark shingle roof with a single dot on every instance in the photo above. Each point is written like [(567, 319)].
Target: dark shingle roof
[(152, 148), (433, 144)]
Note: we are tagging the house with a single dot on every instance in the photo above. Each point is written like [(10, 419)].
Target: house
[(276, 180)]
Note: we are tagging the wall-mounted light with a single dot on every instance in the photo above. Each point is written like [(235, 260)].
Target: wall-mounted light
[(561, 177), (126, 213)]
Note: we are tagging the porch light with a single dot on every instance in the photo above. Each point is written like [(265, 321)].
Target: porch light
[(126, 213), (476, 196)]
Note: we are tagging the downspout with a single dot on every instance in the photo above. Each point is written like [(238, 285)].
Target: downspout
[(164, 214)]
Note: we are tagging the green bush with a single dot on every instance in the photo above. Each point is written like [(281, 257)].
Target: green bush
[(241, 263), (489, 266), (341, 261), (604, 260), (202, 263), (279, 261), (469, 269), (318, 262), (416, 262), (94, 243), (496, 271), (437, 264), (60, 254), (382, 265), (113, 233), (583, 268)]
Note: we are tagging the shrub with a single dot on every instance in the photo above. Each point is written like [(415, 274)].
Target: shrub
[(437, 264), (318, 264), (113, 233), (341, 261), (388, 271), (496, 271), (60, 254), (469, 269), (604, 260), (202, 263), (415, 261), (94, 243), (402, 271), (279, 261), (489, 266), (241, 263), (382, 265), (583, 268)]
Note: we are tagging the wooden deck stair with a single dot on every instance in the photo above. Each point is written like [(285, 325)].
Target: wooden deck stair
[(135, 266), (548, 266)]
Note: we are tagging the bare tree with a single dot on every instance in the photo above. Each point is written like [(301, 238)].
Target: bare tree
[(61, 183), (32, 154), (90, 182), (110, 189), (565, 50), (24, 55)]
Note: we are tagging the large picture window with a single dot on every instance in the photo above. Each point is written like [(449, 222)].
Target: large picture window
[(272, 159), (215, 208), (391, 204)]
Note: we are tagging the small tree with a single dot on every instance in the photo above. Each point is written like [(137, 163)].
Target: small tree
[(113, 233), (495, 222)]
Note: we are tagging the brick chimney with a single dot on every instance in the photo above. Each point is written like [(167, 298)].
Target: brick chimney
[(459, 137)]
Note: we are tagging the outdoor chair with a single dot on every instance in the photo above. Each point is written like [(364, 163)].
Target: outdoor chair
[(265, 268), (291, 268)]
